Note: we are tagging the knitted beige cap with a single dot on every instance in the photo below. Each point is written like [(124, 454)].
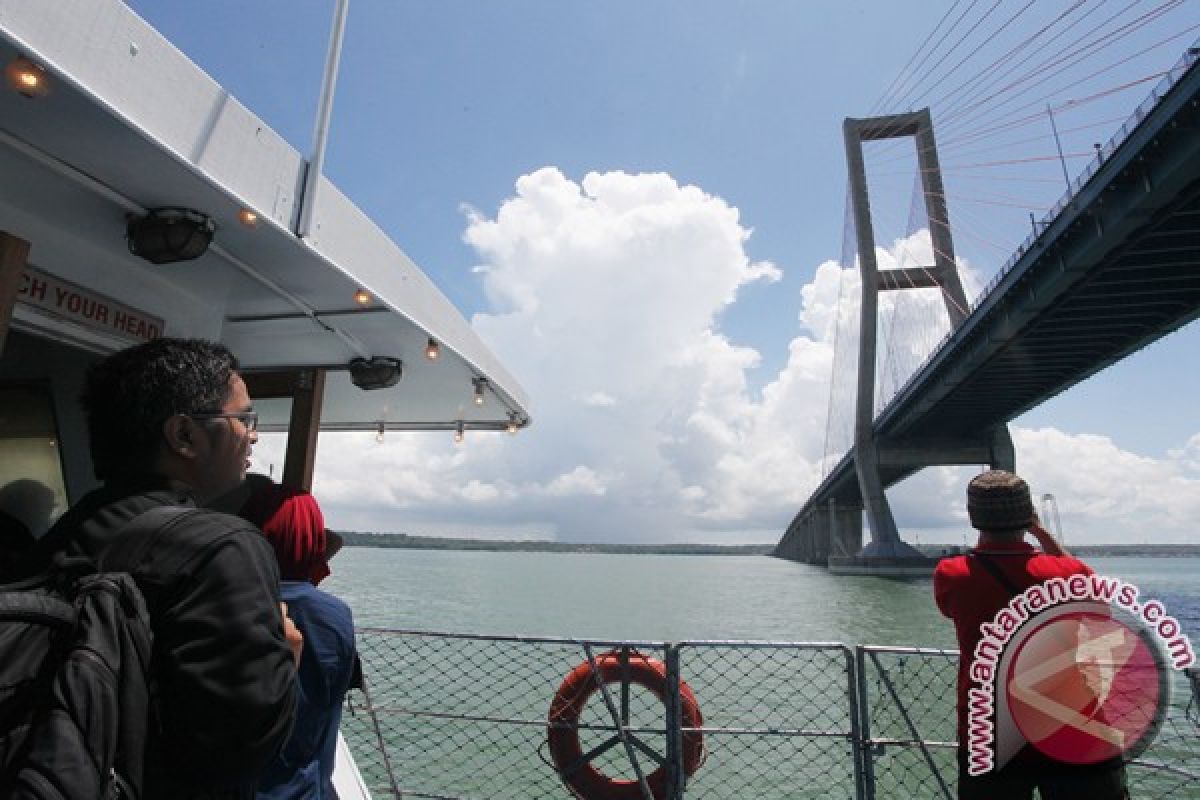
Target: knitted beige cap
[(999, 501)]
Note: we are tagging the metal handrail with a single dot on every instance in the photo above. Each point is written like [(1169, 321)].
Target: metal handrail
[(900, 703)]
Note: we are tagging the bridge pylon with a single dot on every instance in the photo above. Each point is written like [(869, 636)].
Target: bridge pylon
[(832, 533)]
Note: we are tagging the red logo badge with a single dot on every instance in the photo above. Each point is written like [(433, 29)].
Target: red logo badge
[(1085, 687)]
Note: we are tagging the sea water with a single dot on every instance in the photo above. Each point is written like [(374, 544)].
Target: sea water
[(450, 740), (677, 597)]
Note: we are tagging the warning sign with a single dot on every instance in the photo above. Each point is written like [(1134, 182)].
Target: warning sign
[(82, 306)]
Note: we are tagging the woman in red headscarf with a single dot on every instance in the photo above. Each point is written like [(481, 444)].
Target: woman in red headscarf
[(293, 524)]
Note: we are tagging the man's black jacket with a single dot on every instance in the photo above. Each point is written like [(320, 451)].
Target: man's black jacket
[(222, 670)]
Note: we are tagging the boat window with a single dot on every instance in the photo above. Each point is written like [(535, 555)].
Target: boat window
[(32, 486), (271, 448)]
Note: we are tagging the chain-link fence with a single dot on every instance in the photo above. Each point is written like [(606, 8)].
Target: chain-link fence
[(779, 719), (909, 740), (467, 716), (908, 728)]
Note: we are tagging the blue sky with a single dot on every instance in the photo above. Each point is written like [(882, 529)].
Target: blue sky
[(443, 107)]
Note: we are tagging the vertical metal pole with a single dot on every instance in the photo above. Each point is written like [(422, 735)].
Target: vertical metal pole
[(312, 175), (1058, 144), (864, 728), (676, 778), (622, 733), (624, 659), (857, 748)]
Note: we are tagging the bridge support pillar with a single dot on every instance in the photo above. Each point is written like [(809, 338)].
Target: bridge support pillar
[(1004, 455), (831, 531), (845, 531), (806, 540), (886, 544)]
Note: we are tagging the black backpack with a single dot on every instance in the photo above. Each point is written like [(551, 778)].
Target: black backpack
[(75, 691)]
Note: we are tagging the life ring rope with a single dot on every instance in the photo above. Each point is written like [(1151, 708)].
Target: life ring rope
[(623, 667)]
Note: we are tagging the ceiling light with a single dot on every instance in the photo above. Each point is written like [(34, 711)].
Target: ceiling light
[(167, 235), (248, 218), (362, 297), (458, 432), (512, 423), (431, 350), (27, 78), (479, 383)]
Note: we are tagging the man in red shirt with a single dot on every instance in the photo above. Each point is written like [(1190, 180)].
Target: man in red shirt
[(970, 590)]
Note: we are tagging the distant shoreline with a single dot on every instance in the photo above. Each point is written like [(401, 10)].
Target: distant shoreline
[(407, 542)]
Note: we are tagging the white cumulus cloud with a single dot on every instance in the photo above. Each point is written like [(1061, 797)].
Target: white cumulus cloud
[(605, 296)]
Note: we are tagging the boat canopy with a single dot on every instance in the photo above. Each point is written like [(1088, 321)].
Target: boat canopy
[(129, 126)]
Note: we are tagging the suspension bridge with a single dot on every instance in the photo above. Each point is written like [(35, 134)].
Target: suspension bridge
[(1112, 267)]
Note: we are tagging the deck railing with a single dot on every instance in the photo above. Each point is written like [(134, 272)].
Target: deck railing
[(466, 716)]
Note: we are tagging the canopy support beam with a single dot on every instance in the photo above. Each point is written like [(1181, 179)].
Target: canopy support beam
[(13, 253), (306, 390)]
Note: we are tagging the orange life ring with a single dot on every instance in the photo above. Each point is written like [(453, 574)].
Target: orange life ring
[(563, 734)]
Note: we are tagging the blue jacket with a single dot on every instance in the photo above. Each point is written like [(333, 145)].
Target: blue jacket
[(303, 770)]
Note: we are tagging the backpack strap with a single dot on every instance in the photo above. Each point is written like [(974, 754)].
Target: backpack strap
[(137, 536), (994, 571)]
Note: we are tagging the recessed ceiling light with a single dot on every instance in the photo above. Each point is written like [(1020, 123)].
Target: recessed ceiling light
[(27, 78)]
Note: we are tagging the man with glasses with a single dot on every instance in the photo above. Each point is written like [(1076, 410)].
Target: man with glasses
[(171, 426)]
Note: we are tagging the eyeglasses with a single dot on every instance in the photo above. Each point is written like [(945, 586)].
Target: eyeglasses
[(247, 418)]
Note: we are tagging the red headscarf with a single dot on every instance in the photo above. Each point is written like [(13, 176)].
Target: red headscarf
[(293, 524)]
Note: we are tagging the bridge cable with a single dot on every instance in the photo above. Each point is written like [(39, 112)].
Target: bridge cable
[(896, 324), (846, 263), (970, 97), (991, 37), (995, 78), (1069, 105), (884, 100), (886, 92), (958, 127), (955, 146), (989, 70), (1053, 66), (903, 99), (1010, 122), (1035, 116), (991, 77), (1077, 51)]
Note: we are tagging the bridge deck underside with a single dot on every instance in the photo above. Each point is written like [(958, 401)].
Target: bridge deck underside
[(1150, 287), (1118, 269)]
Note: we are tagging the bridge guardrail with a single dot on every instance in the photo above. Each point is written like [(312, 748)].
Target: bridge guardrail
[(466, 716)]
